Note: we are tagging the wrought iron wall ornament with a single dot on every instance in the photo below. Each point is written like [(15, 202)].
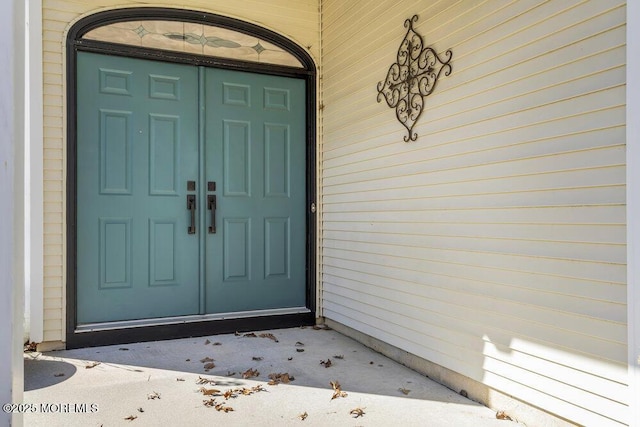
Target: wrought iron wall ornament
[(412, 77)]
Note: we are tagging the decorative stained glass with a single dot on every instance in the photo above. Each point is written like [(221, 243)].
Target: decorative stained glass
[(190, 37)]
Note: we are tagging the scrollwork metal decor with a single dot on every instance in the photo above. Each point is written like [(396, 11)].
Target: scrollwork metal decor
[(412, 78)]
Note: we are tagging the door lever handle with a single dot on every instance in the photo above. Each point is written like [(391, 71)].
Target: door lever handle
[(211, 205), (191, 207)]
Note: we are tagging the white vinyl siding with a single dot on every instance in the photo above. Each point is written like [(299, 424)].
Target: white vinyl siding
[(297, 20), (494, 245), (53, 187)]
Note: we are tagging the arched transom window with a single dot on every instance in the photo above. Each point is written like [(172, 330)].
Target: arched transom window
[(194, 38)]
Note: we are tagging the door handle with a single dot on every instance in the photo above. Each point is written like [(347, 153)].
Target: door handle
[(211, 205), (191, 207)]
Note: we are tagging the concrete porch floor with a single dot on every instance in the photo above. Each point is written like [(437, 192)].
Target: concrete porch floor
[(157, 383)]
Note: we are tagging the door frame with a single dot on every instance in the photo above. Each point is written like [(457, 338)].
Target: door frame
[(75, 43)]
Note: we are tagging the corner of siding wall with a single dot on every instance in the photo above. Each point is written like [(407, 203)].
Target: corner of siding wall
[(519, 411)]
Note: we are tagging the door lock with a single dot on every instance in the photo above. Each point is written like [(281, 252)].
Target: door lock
[(313, 207)]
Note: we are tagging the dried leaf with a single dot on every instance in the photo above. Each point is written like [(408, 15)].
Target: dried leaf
[(326, 363), (179, 379), (501, 415), (358, 412), (209, 403), (123, 349), (30, 347), (257, 388), (299, 350), (209, 365), (303, 416), (337, 392), (280, 378), (207, 342), (289, 358), (140, 410), (237, 334), (219, 407), (187, 360), (404, 390), (206, 359), (217, 343), (299, 344), (229, 394), (131, 418), (201, 380), (250, 335), (249, 373), (153, 396), (92, 365), (249, 391), (59, 375), (230, 374), (339, 356), (257, 359), (321, 328), (209, 391), (270, 336), (274, 380)]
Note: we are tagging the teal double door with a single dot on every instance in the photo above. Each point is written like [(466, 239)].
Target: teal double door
[(190, 191)]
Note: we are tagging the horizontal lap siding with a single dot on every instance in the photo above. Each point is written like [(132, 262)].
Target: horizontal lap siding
[(54, 208), (495, 244), (297, 20)]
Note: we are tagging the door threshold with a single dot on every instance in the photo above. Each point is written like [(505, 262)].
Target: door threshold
[(126, 324), (108, 333)]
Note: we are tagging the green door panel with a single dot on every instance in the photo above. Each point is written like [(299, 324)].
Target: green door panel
[(255, 152), (147, 128), (137, 146)]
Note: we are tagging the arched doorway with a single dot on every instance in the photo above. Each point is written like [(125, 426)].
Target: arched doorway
[(191, 177)]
